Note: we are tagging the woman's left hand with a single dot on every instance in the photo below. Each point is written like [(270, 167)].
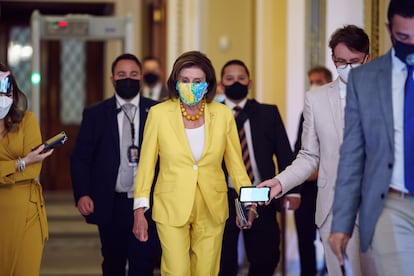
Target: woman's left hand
[(251, 215)]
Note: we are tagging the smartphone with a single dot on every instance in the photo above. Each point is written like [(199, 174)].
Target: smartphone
[(253, 194), (54, 142)]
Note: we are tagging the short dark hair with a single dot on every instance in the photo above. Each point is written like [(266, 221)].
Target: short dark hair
[(125, 56), (190, 59), (19, 106), (150, 57), (321, 69), (404, 8), (234, 62), (352, 36)]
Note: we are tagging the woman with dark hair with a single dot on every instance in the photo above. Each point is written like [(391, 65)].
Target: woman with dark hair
[(190, 135), (23, 224)]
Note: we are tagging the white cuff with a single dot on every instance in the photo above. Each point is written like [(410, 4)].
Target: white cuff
[(141, 202)]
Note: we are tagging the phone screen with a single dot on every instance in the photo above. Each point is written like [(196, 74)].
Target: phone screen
[(253, 194)]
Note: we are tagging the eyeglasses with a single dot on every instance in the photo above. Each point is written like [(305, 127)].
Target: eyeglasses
[(342, 64)]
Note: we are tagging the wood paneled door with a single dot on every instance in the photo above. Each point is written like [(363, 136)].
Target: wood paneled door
[(61, 111), (55, 173)]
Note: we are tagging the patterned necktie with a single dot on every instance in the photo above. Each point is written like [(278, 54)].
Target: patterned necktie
[(409, 130), (127, 171), (244, 147)]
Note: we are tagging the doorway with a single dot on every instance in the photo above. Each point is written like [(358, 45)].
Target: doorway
[(66, 66), (64, 91)]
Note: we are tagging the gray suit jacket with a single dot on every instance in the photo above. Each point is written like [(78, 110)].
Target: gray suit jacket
[(367, 153), (321, 140)]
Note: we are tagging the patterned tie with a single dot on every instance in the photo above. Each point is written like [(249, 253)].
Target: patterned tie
[(409, 130), (126, 172), (244, 147)]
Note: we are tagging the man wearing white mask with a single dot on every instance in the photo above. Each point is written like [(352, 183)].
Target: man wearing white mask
[(321, 140), (375, 171)]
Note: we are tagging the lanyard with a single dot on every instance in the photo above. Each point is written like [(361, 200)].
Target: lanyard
[(131, 122)]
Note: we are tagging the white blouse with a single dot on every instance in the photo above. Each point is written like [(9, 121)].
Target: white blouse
[(195, 137)]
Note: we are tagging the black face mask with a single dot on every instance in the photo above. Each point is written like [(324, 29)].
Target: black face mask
[(127, 88), (236, 91), (151, 78), (404, 51)]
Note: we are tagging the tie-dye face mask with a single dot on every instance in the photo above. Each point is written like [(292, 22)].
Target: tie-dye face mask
[(191, 93)]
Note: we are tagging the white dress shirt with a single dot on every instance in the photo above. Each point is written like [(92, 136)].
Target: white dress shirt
[(120, 118), (196, 140), (152, 93), (399, 75)]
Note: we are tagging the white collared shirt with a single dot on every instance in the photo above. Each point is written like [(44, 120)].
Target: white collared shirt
[(155, 91), (342, 98), (196, 140), (120, 118)]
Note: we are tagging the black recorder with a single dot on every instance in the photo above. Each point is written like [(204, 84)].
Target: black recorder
[(54, 142)]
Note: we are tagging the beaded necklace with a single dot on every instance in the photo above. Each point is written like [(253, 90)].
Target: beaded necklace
[(192, 117)]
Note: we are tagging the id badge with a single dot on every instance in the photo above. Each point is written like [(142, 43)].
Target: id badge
[(133, 156)]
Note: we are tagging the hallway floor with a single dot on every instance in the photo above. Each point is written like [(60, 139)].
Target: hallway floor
[(73, 248)]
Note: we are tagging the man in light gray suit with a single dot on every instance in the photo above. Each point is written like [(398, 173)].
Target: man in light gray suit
[(372, 174), (322, 137)]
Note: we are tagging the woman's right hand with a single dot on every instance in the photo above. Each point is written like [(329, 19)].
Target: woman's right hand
[(36, 155), (140, 228)]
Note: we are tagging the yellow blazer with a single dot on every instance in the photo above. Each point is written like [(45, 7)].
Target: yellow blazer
[(179, 173)]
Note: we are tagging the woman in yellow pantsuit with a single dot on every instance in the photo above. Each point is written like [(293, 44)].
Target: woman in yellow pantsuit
[(190, 135), (23, 225)]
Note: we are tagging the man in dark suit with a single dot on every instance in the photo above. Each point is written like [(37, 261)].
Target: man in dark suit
[(374, 178), (103, 166), (153, 86), (266, 139)]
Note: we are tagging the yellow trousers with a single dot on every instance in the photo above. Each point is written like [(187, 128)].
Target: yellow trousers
[(194, 248)]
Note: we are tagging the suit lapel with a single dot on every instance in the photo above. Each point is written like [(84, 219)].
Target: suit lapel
[(209, 119), (177, 124), (245, 114), (249, 110), (384, 88), (336, 108), (112, 115), (143, 114)]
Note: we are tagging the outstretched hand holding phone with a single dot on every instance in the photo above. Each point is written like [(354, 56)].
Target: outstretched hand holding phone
[(275, 189)]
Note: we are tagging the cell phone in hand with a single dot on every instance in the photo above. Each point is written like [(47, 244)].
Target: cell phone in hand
[(254, 194), (54, 142)]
